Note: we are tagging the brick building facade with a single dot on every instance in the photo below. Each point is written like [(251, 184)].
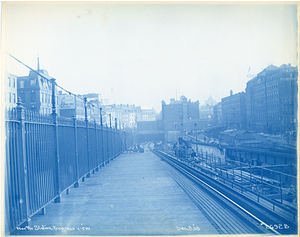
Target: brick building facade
[(11, 91), (180, 115), (271, 99), (36, 92), (234, 111)]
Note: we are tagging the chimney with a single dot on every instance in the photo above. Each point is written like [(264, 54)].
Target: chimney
[(231, 93)]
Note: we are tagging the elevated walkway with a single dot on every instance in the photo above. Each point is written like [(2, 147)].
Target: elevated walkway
[(132, 195)]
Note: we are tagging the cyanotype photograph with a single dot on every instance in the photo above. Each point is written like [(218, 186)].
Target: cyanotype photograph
[(149, 118)]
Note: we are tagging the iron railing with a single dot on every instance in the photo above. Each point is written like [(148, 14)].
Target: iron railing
[(45, 155)]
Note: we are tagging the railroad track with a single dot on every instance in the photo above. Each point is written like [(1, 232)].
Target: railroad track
[(228, 211)]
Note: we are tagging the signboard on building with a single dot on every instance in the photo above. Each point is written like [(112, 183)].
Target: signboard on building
[(67, 102)]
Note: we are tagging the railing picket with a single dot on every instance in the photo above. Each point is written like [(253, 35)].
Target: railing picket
[(76, 184), (88, 175), (97, 149), (36, 164), (102, 143), (23, 160), (56, 152)]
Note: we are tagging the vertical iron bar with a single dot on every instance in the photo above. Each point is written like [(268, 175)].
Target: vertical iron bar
[(23, 158), (107, 144), (102, 137), (115, 137), (28, 131), (102, 143), (88, 175), (16, 171), (97, 151), (76, 184), (56, 148)]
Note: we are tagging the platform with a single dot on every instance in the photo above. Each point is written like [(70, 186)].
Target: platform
[(131, 195)]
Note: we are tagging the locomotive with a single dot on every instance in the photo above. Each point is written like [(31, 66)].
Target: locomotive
[(183, 150)]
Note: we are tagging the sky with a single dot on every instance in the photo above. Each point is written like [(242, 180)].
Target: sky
[(144, 53)]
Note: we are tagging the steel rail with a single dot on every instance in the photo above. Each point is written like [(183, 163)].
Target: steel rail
[(290, 210), (224, 220), (163, 155)]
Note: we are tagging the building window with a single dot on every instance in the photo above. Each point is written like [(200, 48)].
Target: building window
[(8, 81), (13, 82), (33, 98), (32, 82), (22, 84), (22, 97), (9, 97), (14, 97)]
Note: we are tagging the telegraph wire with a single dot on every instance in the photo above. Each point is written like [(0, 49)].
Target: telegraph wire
[(31, 69)]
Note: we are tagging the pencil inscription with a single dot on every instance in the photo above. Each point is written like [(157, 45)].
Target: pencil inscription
[(189, 228), (44, 227)]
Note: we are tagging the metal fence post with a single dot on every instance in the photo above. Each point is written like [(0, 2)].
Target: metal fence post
[(97, 149), (109, 142), (102, 144), (115, 137), (102, 138), (22, 152), (111, 151), (88, 175), (56, 152), (76, 185)]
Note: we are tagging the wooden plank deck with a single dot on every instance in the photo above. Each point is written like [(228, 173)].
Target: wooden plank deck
[(132, 195)]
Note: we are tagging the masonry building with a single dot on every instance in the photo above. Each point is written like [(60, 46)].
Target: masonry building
[(271, 100), (11, 90), (234, 111), (180, 117), (35, 92), (217, 114)]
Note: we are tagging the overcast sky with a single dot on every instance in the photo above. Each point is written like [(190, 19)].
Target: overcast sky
[(140, 53)]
